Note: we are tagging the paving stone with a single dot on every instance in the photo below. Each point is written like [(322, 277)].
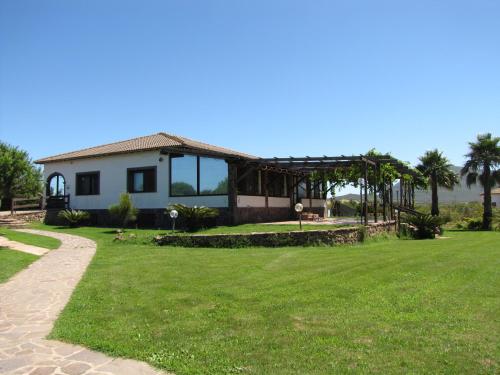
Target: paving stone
[(43, 371), (75, 368), (90, 357)]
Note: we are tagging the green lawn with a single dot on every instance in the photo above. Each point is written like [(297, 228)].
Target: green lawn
[(12, 262), (30, 239), (248, 228), (388, 306)]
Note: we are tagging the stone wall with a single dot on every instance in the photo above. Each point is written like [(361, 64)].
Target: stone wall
[(328, 237), (29, 216)]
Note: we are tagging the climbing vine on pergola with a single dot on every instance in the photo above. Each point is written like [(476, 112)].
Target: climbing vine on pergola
[(375, 173)]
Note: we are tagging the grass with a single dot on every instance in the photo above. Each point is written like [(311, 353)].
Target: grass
[(385, 306), (12, 262), (248, 228), (30, 239)]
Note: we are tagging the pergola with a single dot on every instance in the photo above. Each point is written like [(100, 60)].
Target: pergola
[(303, 167)]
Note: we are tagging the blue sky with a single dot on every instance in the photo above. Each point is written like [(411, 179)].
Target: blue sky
[(271, 78)]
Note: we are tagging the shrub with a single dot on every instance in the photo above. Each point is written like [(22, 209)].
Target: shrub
[(426, 226), (194, 218), (73, 218), (124, 212), (474, 223)]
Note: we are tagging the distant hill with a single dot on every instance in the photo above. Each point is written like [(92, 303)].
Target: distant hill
[(461, 193), (348, 197)]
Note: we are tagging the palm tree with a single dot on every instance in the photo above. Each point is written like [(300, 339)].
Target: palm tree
[(483, 161), (437, 171)]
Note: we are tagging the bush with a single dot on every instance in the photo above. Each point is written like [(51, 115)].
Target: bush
[(124, 212), (474, 223), (194, 218), (426, 226), (73, 218)]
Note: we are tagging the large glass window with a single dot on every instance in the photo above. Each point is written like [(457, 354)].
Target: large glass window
[(213, 176), (197, 175), (183, 175), (87, 183), (141, 180)]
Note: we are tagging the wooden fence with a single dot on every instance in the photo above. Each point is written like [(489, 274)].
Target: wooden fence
[(33, 203)]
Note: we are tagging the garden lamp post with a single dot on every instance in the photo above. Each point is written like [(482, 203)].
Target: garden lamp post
[(299, 208), (173, 214)]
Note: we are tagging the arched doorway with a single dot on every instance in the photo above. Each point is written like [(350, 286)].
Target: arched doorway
[(56, 185), (56, 192)]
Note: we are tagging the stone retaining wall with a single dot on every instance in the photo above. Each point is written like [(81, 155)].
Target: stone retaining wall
[(29, 216), (328, 237)]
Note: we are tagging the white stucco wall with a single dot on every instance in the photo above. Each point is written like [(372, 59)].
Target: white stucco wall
[(113, 182), (495, 199), (315, 202), (259, 201)]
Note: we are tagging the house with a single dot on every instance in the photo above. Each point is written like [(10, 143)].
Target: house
[(162, 169), (495, 197)]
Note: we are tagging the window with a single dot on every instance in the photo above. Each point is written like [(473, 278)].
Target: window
[(183, 175), (213, 176), (55, 185), (87, 183), (141, 180), (197, 175)]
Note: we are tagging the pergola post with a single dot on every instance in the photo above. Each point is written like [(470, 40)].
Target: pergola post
[(266, 189), (232, 193), (391, 200), (366, 194), (408, 193), (311, 193), (375, 202), (413, 196), (291, 188), (401, 189), (384, 199), (361, 207)]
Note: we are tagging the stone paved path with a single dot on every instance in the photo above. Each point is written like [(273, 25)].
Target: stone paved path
[(14, 245), (30, 303)]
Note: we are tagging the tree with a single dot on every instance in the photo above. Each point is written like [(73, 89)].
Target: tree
[(437, 170), (483, 161), (19, 177)]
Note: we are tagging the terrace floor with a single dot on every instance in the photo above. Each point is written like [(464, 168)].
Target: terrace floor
[(327, 221)]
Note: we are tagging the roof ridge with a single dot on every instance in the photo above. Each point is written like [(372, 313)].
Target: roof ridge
[(208, 144), (174, 137)]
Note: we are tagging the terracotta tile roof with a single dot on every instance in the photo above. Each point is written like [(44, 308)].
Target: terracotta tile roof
[(151, 142)]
